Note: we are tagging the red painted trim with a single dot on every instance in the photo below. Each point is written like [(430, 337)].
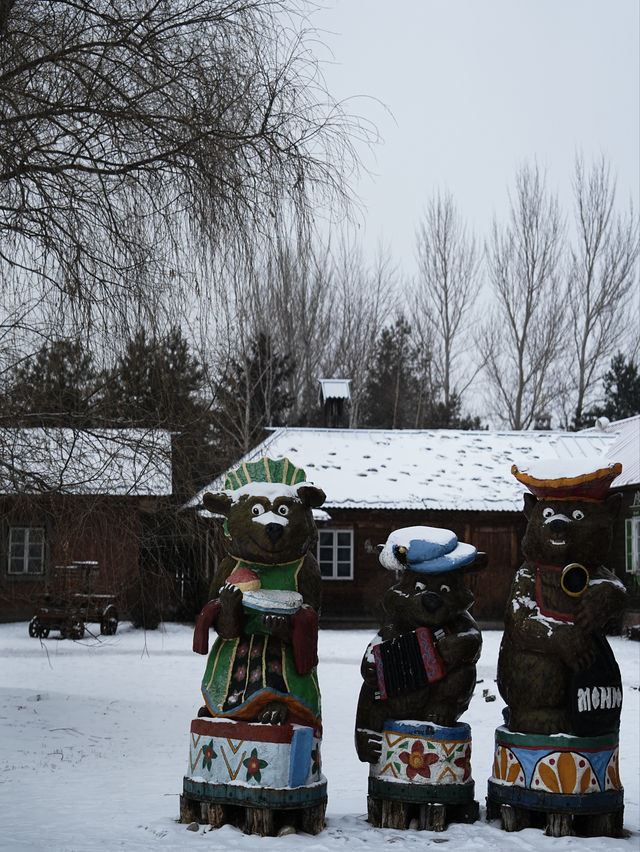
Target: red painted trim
[(549, 613), (538, 565), (206, 619), (242, 730)]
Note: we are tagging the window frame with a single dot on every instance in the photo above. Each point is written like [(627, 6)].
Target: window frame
[(632, 544), (25, 573), (334, 532)]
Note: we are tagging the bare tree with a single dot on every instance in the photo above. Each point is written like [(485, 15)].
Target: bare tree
[(300, 280), (146, 145), (444, 296), (528, 323), (316, 313), (364, 302), (602, 272), (136, 134)]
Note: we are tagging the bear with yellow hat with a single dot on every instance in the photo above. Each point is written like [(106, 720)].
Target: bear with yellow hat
[(558, 749)]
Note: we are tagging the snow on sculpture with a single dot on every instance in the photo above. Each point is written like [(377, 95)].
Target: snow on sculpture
[(557, 754)]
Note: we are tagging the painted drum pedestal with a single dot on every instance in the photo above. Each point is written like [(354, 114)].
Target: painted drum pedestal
[(423, 778), (257, 777), (568, 784)]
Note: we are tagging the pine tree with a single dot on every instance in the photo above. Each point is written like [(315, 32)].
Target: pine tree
[(401, 392), (158, 383), (392, 386), (621, 392), (155, 382), (252, 395), (57, 386)]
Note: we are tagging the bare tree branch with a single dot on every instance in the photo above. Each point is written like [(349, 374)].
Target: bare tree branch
[(528, 324), (136, 134), (602, 272), (444, 296)]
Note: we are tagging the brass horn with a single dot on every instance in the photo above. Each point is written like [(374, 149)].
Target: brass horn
[(574, 579)]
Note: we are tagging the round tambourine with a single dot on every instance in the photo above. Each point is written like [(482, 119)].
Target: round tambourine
[(574, 579), (273, 601)]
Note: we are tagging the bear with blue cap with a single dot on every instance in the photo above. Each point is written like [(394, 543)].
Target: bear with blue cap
[(421, 665)]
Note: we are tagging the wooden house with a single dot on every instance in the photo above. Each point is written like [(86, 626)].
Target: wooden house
[(380, 480), (70, 497), (626, 545)]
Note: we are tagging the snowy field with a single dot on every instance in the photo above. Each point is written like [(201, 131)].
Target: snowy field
[(94, 743)]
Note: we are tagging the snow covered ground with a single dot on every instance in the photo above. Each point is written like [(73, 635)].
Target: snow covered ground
[(94, 744)]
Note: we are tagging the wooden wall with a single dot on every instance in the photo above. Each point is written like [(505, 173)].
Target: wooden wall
[(357, 602), (76, 529)]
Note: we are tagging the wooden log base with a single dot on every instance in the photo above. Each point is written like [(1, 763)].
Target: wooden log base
[(515, 818), (423, 816), (266, 822)]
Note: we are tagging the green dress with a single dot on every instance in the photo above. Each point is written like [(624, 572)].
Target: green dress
[(248, 672)]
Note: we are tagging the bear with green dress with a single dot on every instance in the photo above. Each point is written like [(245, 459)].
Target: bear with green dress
[(264, 599)]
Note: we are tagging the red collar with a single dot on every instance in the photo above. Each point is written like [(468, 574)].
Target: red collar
[(546, 567), (549, 613)]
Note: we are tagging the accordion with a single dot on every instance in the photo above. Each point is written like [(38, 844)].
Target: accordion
[(406, 663)]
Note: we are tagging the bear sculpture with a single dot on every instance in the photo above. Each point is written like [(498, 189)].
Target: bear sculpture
[(561, 599), (265, 597), (255, 746), (556, 757), (419, 674)]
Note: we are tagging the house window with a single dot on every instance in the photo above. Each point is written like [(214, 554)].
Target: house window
[(633, 545), (26, 550), (335, 554)]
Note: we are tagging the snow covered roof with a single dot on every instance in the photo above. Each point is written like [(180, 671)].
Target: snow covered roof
[(421, 469), (108, 461), (335, 388), (626, 447)]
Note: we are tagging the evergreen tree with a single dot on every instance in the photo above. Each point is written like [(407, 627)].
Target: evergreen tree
[(401, 392), (439, 415), (57, 386), (392, 388), (158, 383), (155, 382), (621, 393), (252, 395)]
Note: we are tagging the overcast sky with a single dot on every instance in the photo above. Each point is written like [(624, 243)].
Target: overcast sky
[(477, 87)]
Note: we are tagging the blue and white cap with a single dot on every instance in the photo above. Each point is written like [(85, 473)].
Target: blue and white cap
[(427, 550)]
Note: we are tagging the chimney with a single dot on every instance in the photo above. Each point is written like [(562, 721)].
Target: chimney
[(334, 394), (543, 421)]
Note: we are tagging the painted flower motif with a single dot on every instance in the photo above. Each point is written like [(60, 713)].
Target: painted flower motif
[(464, 763), (256, 674), (417, 761), (275, 667), (242, 651), (208, 754), (241, 673), (254, 765), (255, 652)]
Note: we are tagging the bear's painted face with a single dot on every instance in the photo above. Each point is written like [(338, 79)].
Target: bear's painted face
[(268, 523), (563, 531), (264, 530), (429, 600)]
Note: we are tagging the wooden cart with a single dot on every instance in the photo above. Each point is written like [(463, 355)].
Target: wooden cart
[(70, 603)]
